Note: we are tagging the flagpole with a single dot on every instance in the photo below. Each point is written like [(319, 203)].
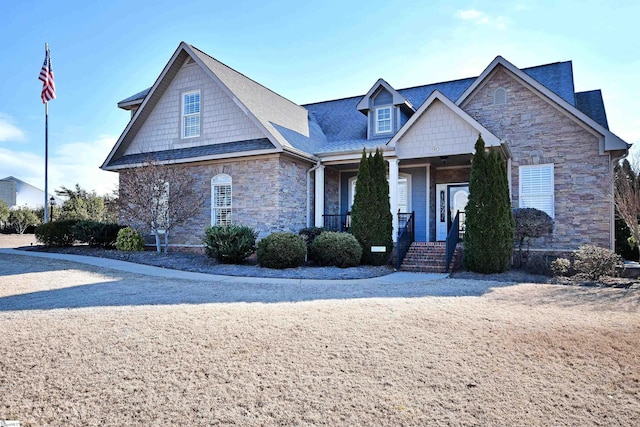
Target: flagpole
[(46, 161)]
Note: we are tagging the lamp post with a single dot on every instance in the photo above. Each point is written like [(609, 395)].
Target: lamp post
[(52, 203)]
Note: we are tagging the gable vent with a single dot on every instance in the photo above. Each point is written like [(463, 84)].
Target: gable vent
[(500, 96), (190, 61)]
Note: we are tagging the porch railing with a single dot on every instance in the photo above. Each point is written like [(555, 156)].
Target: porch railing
[(455, 235), (338, 222), (406, 236)]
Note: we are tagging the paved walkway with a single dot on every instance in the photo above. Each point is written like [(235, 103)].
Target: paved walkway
[(400, 277)]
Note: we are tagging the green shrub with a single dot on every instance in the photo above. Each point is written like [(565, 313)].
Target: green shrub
[(339, 249), (595, 262), (560, 266), (309, 234), (56, 233), (129, 240), (230, 244), (97, 234), (281, 250)]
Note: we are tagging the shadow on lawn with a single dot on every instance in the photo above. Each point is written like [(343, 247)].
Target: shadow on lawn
[(142, 290)]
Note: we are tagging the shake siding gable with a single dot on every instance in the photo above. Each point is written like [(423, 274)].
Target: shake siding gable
[(537, 132), (438, 132), (221, 119)]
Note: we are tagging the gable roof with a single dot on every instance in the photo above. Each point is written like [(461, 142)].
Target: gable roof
[(366, 103), (337, 126), (263, 106), (489, 138), (609, 140)]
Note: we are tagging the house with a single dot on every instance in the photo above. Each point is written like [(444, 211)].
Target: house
[(17, 193), (267, 162)]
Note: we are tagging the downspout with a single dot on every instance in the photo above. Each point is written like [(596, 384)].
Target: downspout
[(309, 192)]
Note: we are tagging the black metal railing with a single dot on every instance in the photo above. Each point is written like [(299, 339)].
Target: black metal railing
[(455, 235), (406, 236), (337, 222)]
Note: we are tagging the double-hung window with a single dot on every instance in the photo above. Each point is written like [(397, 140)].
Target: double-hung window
[(191, 114), (536, 188), (383, 119), (221, 201)]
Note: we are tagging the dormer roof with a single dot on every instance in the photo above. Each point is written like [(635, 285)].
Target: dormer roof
[(366, 103)]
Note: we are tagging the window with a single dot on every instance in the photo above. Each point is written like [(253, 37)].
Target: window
[(383, 119), (404, 189), (536, 188), (221, 200), (500, 96), (191, 114)]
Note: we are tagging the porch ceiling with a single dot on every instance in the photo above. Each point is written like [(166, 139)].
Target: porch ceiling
[(437, 161)]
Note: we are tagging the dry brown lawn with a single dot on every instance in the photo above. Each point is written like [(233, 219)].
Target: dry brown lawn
[(526, 354)]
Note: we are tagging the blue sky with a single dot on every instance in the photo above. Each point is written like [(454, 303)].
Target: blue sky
[(103, 52)]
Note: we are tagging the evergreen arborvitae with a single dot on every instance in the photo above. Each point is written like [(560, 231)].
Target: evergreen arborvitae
[(371, 221), (488, 239)]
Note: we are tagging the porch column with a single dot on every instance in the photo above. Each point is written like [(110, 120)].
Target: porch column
[(319, 196), (393, 196)]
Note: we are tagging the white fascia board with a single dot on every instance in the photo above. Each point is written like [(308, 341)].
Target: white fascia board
[(489, 138), (609, 140)]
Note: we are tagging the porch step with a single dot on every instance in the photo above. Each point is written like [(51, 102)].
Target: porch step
[(430, 257)]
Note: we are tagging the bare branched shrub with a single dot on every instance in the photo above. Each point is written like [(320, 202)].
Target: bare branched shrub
[(595, 262), (626, 195), (158, 197)]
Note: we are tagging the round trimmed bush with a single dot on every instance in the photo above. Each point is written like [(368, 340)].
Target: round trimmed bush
[(230, 244), (281, 250), (129, 240), (339, 249)]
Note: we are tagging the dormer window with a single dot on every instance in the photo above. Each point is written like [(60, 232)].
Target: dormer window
[(383, 119)]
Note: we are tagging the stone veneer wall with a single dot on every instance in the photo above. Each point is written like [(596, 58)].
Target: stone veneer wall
[(269, 194), (538, 133)]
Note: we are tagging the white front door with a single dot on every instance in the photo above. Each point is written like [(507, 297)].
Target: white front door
[(450, 198)]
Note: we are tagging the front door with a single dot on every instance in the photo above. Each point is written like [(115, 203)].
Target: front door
[(450, 198)]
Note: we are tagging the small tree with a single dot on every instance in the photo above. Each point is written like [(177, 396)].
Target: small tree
[(626, 196), (371, 220), (488, 240), (4, 212), (159, 198), (22, 218), (530, 223), (81, 204)]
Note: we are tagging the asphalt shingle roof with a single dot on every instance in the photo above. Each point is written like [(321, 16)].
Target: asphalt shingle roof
[(194, 152), (337, 125), (592, 105)]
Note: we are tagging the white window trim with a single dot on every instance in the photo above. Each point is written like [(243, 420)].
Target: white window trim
[(217, 181), (552, 183), (183, 115), (352, 189), (377, 122)]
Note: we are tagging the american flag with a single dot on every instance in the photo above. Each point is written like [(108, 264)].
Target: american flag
[(46, 75)]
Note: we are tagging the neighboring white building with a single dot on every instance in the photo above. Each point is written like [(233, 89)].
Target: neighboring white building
[(16, 193)]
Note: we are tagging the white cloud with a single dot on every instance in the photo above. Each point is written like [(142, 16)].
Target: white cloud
[(8, 131), (481, 18), (69, 164)]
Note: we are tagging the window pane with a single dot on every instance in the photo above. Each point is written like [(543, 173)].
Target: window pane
[(536, 188)]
